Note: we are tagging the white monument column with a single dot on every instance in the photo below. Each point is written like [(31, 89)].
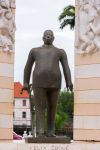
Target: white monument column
[(87, 71), (7, 38)]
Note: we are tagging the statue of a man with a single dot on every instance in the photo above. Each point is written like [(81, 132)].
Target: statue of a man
[(46, 82)]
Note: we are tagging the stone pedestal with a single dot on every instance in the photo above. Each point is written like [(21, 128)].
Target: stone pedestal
[(63, 140)]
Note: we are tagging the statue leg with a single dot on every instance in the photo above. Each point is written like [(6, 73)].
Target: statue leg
[(40, 105), (51, 110)]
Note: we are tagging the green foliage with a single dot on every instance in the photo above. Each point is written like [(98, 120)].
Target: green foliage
[(67, 17), (60, 120), (64, 109), (65, 103)]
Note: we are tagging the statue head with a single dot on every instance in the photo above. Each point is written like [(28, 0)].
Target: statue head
[(4, 3), (97, 5), (48, 37), (12, 4), (8, 14)]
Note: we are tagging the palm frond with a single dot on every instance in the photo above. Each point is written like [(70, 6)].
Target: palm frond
[(67, 17), (66, 22)]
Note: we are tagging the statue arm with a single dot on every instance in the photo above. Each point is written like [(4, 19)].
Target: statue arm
[(66, 70), (28, 68)]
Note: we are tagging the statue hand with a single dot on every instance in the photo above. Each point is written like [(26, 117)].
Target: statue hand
[(70, 87), (25, 87)]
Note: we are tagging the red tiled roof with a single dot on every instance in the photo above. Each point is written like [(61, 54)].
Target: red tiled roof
[(17, 89)]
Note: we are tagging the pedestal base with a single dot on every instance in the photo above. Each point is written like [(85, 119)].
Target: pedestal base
[(48, 140)]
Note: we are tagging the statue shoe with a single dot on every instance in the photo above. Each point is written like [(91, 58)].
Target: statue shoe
[(50, 135), (41, 135)]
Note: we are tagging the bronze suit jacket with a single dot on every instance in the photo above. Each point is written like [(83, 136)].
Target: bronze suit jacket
[(47, 73)]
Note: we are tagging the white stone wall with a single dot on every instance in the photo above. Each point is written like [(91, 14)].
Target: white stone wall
[(87, 71), (18, 109), (87, 26), (7, 25), (7, 40)]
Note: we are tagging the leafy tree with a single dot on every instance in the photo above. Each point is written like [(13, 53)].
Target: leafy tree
[(66, 102), (60, 120), (67, 17), (64, 109)]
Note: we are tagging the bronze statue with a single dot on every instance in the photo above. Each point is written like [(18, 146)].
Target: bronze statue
[(46, 81)]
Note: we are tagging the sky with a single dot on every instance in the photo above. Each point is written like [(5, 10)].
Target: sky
[(33, 17)]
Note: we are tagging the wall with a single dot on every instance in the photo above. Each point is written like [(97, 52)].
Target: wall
[(18, 109), (7, 34), (87, 71)]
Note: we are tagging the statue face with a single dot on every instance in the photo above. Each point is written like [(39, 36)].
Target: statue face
[(8, 14), (4, 3), (48, 37)]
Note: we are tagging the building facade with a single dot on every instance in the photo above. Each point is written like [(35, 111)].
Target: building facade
[(21, 114)]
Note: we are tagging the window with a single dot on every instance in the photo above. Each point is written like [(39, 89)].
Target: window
[(24, 102), (23, 114)]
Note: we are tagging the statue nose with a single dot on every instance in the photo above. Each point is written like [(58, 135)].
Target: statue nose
[(48, 37)]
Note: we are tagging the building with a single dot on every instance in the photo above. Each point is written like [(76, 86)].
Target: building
[(21, 114)]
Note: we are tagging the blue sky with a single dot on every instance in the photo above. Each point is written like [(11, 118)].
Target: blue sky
[(32, 18)]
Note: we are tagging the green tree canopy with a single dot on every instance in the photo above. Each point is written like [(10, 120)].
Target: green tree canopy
[(64, 109), (67, 17)]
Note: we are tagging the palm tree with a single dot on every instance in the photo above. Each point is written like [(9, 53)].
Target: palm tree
[(67, 17)]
